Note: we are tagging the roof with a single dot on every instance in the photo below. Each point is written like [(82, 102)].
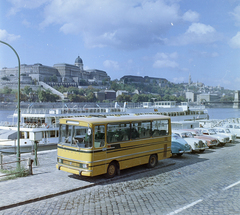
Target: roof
[(111, 119)]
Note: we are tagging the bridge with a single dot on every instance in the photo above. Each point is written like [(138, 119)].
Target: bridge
[(235, 103)]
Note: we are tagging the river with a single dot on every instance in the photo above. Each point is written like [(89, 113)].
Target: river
[(214, 113)]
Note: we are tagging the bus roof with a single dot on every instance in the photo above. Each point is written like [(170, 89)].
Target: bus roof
[(111, 119)]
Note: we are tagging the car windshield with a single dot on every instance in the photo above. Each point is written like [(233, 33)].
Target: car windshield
[(212, 131), (176, 136), (227, 131), (220, 131), (187, 135)]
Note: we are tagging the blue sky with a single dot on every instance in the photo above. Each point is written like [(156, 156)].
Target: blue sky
[(159, 38)]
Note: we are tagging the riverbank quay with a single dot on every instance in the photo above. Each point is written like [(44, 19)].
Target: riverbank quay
[(197, 183), (47, 182)]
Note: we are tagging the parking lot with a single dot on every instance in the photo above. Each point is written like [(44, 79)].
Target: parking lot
[(200, 183)]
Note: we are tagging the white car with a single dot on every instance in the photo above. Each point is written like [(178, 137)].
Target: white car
[(233, 127), (222, 139), (227, 132), (196, 144)]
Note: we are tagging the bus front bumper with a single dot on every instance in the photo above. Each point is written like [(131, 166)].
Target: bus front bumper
[(80, 172)]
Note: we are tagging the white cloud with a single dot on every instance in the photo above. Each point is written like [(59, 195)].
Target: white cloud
[(122, 24), (6, 37), (236, 15), (191, 16), (17, 5), (109, 64), (178, 79), (200, 29), (26, 23), (165, 60), (204, 54), (165, 63), (235, 41), (196, 33)]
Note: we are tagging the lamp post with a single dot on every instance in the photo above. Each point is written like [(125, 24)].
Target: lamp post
[(18, 124)]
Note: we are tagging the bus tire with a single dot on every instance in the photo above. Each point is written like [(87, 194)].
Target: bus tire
[(111, 170), (153, 160)]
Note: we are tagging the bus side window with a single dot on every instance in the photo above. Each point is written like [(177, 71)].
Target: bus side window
[(99, 140), (159, 128)]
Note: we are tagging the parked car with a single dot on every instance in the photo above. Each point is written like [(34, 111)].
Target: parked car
[(233, 127), (196, 144), (211, 141), (222, 139), (227, 132), (179, 145)]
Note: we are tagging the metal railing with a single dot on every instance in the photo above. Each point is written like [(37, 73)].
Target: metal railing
[(8, 165)]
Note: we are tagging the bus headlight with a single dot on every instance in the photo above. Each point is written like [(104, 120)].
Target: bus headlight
[(84, 165)]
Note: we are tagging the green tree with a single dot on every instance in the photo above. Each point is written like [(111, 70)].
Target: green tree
[(47, 96), (27, 90), (91, 97), (124, 98), (7, 90)]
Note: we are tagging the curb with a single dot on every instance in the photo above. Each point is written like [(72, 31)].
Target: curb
[(80, 188)]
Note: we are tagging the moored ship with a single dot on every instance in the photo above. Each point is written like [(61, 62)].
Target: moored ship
[(46, 121)]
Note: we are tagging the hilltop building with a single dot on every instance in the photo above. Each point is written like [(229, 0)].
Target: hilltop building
[(61, 74), (162, 82)]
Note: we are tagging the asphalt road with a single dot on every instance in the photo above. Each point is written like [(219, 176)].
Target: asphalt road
[(205, 183)]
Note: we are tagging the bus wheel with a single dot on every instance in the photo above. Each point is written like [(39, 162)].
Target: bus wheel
[(152, 161), (111, 171)]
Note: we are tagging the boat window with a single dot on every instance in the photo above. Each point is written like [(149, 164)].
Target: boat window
[(52, 133), (21, 135)]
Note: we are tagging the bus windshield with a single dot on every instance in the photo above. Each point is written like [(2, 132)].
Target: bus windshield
[(79, 136)]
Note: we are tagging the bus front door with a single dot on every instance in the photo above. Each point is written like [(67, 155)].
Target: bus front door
[(99, 150)]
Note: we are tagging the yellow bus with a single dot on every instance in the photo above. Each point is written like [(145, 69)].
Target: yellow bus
[(91, 146)]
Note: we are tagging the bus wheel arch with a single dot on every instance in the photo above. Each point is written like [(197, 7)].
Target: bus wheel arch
[(153, 160), (113, 169)]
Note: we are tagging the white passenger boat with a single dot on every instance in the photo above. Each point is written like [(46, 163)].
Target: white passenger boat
[(182, 112), (46, 121)]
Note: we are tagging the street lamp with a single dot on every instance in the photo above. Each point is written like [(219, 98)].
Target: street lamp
[(18, 124)]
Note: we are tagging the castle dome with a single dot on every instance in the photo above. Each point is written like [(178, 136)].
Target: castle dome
[(78, 60)]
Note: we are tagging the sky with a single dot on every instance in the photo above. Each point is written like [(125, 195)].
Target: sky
[(169, 39)]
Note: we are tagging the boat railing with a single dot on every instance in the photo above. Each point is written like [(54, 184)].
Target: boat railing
[(37, 125), (8, 124), (59, 111)]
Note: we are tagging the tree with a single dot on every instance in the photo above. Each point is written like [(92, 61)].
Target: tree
[(83, 83), (46, 96), (91, 97), (5, 78), (7, 90), (73, 90), (124, 98), (115, 86), (27, 90)]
